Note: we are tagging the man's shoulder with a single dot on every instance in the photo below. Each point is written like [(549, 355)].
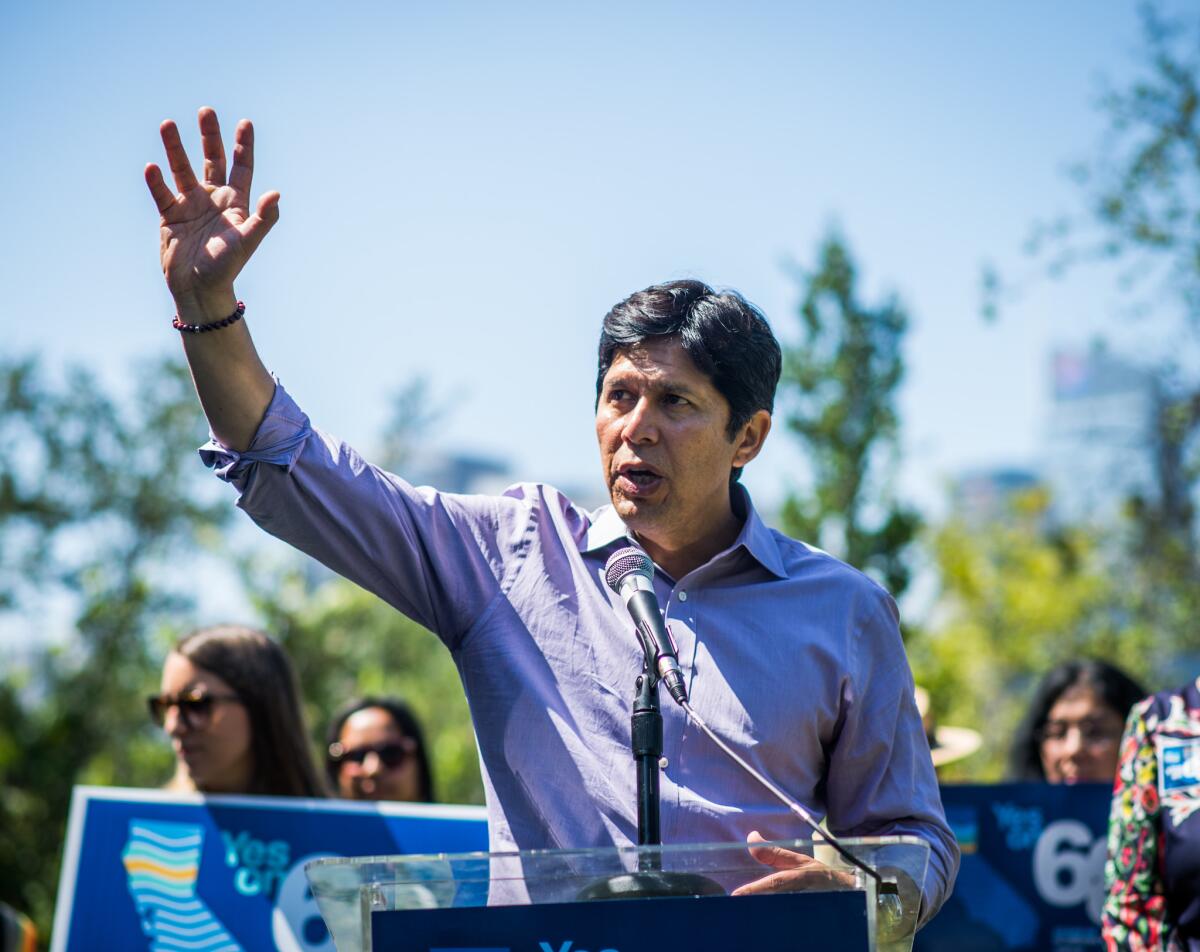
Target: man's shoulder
[(803, 558), (542, 495), (551, 504), (839, 586)]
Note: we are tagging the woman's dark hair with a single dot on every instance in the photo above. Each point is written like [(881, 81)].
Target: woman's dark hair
[(261, 675), (405, 721), (726, 337), (1111, 685)]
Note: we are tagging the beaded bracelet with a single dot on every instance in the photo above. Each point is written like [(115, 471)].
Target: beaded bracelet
[(214, 326)]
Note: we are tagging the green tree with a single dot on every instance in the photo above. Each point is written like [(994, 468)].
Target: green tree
[(97, 499), (1018, 597), (1141, 214), (1143, 195), (345, 642), (414, 411), (839, 393)]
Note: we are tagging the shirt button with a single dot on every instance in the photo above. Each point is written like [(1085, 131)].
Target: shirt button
[(683, 596)]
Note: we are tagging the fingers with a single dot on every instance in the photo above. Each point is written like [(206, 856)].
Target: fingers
[(163, 197), (776, 882), (243, 157), (214, 148), (254, 229), (810, 875), (185, 178), (776, 856)]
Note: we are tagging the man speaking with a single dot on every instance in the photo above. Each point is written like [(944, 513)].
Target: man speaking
[(792, 657)]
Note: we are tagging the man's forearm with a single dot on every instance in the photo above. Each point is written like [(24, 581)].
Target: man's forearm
[(233, 385)]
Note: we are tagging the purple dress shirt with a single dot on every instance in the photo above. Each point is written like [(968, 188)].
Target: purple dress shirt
[(791, 656)]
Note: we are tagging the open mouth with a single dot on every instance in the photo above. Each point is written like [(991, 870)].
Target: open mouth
[(637, 480)]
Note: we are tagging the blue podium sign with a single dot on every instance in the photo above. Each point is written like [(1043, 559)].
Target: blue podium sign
[(1032, 874), (174, 872), (796, 922)]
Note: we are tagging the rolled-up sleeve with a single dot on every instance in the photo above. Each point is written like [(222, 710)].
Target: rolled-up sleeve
[(439, 558)]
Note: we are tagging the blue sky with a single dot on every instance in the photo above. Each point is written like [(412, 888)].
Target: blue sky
[(468, 187)]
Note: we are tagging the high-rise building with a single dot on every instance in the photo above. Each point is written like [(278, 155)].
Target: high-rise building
[(1101, 442)]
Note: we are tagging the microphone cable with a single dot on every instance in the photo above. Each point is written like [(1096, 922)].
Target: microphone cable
[(885, 887)]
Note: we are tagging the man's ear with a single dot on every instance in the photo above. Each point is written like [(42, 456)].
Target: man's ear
[(751, 437)]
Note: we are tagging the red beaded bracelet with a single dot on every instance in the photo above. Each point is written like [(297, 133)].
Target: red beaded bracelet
[(214, 326)]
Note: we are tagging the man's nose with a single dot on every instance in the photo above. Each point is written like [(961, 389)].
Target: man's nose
[(641, 425)]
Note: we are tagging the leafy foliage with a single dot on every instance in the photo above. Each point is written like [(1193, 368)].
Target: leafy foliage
[(1141, 212), (840, 390), (1020, 595), (103, 507), (95, 499), (346, 643)]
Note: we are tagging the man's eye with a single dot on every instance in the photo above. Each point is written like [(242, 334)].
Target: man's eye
[(618, 395), (675, 400)]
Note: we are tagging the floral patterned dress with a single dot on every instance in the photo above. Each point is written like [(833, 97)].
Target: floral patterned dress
[(1153, 869)]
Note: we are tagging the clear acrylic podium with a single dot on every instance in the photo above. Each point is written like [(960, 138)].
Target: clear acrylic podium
[(494, 900)]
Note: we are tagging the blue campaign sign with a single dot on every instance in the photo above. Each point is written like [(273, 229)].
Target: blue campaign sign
[(799, 922), (174, 872), (1032, 874)]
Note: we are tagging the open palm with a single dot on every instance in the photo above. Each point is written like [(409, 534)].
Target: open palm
[(208, 232)]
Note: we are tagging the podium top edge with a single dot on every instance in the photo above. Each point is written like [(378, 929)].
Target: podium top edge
[(868, 842)]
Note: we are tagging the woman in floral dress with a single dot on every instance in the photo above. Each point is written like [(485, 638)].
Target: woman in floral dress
[(1153, 869)]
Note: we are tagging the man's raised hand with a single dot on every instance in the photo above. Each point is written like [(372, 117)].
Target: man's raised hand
[(208, 233)]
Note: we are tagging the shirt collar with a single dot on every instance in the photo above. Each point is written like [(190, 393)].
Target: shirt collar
[(754, 537), (606, 528)]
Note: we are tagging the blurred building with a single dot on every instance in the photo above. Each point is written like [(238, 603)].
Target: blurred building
[(981, 496), (456, 472), (1100, 445)]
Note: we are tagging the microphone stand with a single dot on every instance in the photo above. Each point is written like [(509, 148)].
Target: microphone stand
[(650, 879), (647, 744)]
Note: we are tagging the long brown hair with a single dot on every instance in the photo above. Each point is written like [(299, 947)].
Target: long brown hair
[(261, 674)]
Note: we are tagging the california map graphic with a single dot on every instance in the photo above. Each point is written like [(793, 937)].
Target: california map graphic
[(162, 861)]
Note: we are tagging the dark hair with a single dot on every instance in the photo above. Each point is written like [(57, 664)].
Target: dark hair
[(405, 721), (1112, 685), (261, 675), (726, 337)]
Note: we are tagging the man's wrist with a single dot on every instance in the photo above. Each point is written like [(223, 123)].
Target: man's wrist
[(206, 308)]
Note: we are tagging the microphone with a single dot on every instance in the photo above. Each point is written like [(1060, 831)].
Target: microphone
[(629, 572)]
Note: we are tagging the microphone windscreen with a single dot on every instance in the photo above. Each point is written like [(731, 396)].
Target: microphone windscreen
[(627, 561)]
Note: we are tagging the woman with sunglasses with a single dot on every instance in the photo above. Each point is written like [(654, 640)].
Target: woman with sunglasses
[(376, 751), (230, 705), (1072, 731)]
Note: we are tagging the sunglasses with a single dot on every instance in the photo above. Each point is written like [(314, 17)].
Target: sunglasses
[(195, 707), (391, 754)]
